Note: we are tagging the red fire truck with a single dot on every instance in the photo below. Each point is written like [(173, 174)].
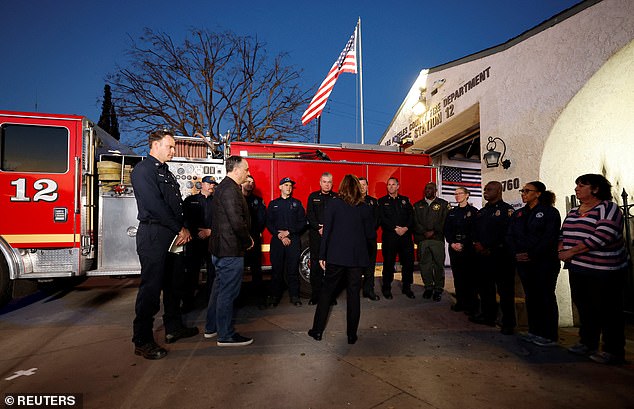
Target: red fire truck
[(68, 209)]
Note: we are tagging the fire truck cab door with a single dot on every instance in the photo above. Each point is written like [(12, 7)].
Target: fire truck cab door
[(39, 181)]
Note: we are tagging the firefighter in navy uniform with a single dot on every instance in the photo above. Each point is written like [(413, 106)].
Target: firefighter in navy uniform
[(197, 211), (253, 257), (459, 236), (494, 261), (317, 202), (161, 219), (286, 220), (397, 218), (368, 276)]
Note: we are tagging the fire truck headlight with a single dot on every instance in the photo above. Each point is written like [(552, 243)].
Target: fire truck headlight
[(131, 231)]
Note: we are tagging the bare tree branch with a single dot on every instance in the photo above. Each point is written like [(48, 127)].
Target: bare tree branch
[(210, 84)]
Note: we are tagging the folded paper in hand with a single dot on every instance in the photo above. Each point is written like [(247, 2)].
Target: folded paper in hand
[(174, 248)]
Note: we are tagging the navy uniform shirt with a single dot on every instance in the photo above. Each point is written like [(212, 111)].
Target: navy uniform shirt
[(395, 211), (459, 225), (257, 210), (491, 224), (315, 208), (157, 194), (197, 212), (286, 214), (535, 231), (373, 203)]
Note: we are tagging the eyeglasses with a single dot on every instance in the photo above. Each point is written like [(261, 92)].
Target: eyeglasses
[(527, 190)]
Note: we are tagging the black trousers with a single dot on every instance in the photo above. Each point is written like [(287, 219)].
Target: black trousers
[(316, 272), (196, 252), (599, 300), (496, 274), (539, 280), (285, 265), (462, 267), (368, 273), (403, 246), (159, 272), (332, 281)]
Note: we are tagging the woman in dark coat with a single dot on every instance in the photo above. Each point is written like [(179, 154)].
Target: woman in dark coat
[(348, 225), (533, 239)]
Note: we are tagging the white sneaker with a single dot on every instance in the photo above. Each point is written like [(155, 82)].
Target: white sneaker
[(210, 335)]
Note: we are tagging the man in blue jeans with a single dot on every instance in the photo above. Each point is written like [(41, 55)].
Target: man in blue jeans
[(230, 240)]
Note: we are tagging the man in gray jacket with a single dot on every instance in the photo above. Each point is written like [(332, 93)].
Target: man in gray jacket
[(229, 242)]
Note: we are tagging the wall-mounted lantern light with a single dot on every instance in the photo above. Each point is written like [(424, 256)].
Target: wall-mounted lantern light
[(494, 158), (420, 106)]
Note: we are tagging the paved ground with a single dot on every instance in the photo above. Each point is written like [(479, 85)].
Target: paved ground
[(410, 354)]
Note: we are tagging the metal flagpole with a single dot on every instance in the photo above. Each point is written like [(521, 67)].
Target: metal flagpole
[(361, 78)]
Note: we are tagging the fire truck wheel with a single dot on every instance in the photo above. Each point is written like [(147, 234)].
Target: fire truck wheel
[(304, 272), (6, 285)]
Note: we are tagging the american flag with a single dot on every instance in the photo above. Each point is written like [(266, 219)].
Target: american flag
[(461, 177), (347, 62)]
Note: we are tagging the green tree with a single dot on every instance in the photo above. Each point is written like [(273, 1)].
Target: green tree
[(210, 83), (108, 120)]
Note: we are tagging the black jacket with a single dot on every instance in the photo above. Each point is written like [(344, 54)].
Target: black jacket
[(230, 222), (286, 214), (535, 231), (257, 211), (347, 230), (491, 224), (394, 212), (459, 225)]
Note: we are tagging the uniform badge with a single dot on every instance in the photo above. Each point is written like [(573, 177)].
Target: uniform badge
[(435, 206), (255, 201), (511, 212), (294, 204), (497, 212), (403, 201), (469, 213), (539, 215)]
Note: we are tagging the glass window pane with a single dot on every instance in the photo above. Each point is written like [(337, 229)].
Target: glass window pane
[(31, 148)]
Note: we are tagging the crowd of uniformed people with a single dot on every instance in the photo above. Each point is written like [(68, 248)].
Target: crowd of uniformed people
[(486, 248)]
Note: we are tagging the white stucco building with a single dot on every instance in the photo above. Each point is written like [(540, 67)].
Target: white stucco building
[(560, 96)]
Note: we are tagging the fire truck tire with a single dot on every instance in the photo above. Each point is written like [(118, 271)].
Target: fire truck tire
[(6, 285), (304, 268)]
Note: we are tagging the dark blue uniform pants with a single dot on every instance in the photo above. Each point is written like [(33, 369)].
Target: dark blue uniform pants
[(159, 268), (368, 273), (316, 272), (285, 264), (539, 280), (496, 272), (462, 263), (403, 246)]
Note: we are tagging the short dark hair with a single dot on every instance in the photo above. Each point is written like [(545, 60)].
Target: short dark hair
[(364, 178), (393, 178), (232, 162), (157, 136), (599, 182)]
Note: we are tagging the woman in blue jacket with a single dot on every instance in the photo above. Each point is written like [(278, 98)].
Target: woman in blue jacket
[(533, 239), (348, 225)]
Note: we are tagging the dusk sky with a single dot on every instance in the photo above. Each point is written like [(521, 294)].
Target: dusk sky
[(56, 54)]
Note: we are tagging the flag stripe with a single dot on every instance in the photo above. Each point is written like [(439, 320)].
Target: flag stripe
[(347, 62), (453, 177)]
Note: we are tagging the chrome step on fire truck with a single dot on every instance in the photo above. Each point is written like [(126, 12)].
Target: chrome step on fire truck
[(68, 209)]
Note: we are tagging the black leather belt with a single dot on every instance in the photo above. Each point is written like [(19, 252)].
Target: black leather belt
[(150, 222)]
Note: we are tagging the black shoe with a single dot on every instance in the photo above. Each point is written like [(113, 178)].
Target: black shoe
[(428, 293), (479, 319), (315, 334), (371, 296), (312, 302), (236, 340), (408, 292), (184, 332), (352, 339), (151, 350), (296, 301), (437, 296), (387, 293)]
